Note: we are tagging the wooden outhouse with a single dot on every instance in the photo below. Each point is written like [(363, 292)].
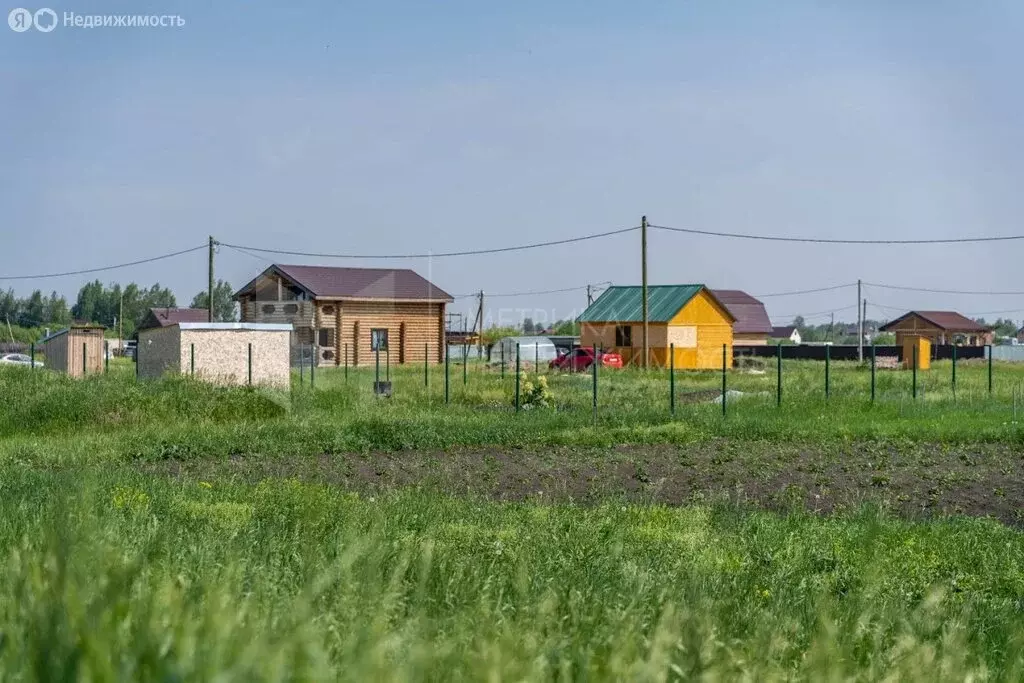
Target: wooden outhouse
[(688, 318), (919, 348), (348, 314), (75, 351), (256, 354)]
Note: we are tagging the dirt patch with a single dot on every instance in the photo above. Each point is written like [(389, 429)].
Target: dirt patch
[(922, 480)]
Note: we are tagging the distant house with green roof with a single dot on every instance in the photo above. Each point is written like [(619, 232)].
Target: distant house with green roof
[(686, 318)]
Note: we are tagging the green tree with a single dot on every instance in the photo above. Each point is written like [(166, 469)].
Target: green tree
[(224, 308), (90, 299), (1005, 328), (566, 328), (33, 311), (57, 313)]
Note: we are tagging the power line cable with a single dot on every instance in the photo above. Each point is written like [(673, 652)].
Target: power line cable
[(807, 291), (814, 315), (821, 240), (594, 288), (470, 252), (941, 291), (103, 268)]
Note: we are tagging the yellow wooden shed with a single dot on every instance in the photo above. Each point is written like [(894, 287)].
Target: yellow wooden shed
[(916, 347), (688, 318)]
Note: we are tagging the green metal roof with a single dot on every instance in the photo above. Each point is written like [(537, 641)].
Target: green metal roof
[(625, 304)]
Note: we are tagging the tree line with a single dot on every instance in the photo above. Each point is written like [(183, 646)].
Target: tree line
[(116, 307)]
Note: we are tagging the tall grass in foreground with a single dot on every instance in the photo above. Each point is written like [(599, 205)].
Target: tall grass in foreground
[(109, 575)]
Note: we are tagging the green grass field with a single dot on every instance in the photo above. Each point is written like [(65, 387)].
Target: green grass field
[(176, 531)]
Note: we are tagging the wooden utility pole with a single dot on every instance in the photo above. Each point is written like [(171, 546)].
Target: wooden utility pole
[(590, 297), (643, 278), (479, 330), (209, 301), (863, 317), (120, 322), (831, 326), (860, 327)]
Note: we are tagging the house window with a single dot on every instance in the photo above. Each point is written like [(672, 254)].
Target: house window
[(328, 310), (324, 337), (378, 339), (623, 335), (291, 309), (268, 309)]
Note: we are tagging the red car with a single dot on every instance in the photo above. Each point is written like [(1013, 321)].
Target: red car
[(582, 358)]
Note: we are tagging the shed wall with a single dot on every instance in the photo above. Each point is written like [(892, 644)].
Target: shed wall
[(222, 356), (159, 351), (56, 351)]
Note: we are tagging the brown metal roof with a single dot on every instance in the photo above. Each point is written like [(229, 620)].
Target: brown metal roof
[(751, 318), (950, 321), (782, 331), (164, 317), (360, 283)]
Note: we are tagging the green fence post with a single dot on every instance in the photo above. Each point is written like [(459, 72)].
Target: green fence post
[(873, 350), (138, 352), (312, 366), (32, 356), (346, 362), (502, 347), (724, 387), (376, 367), (106, 356), (426, 364), (536, 357), (302, 365), (672, 379), (192, 359), (778, 375), (447, 347), (517, 377), (954, 372), (83, 358), (250, 363), (387, 364), (593, 367), (465, 364), (828, 362), (989, 369), (913, 356)]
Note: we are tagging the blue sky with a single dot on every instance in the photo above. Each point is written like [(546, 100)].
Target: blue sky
[(405, 126)]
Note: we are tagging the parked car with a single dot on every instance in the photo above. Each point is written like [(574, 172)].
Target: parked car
[(18, 359), (582, 358)]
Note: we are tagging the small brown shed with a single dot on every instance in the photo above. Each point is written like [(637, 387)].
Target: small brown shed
[(75, 351)]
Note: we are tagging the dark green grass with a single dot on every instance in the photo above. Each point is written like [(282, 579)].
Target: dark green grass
[(114, 575), (45, 417)]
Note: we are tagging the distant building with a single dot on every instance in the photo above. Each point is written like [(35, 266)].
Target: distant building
[(165, 317), (1020, 335), (350, 314), (786, 332), (687, 318), (752, 325), (939, 327)]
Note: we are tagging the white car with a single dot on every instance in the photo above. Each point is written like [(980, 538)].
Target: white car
[(18, 359)]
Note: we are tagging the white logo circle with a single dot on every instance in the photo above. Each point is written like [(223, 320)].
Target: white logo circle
[(41, 17), (19, 19)]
